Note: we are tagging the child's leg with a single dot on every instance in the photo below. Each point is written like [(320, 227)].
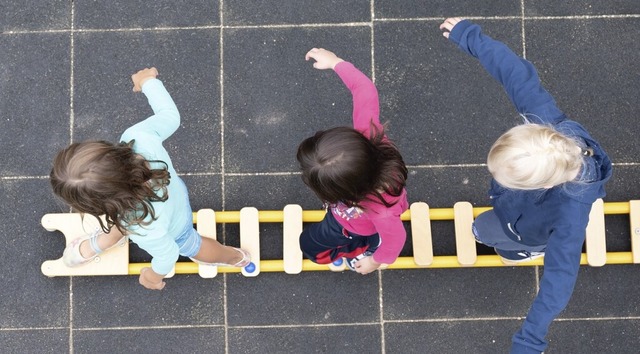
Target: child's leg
[(488, 230), (104, 241), (206, 250), (326, 241), (212, 251)]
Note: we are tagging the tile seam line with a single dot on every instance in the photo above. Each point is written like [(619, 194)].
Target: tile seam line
[(346, 24), (225, 301), (71, 133), (606, 318), (126, 328), (295, 173)]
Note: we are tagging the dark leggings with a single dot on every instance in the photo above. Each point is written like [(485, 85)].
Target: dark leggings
[(326, 241)]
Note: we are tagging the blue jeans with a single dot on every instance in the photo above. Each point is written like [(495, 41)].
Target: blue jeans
[(488, 230), (189, 242)]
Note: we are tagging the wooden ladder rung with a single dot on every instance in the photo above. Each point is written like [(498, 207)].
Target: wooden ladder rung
[(292, 228), (250, 239), (421, 234), (206, 226), (596, 243), (465, 242)]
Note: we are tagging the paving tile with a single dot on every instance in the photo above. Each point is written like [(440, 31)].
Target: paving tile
[(605, 292), (442, 187), (482, 337), (457, 293), (35, 15), (270, 12), (144, 14), (580, 7), (601, 94), (434, 8), (121, 302), (189, 67), (333, 339), (25, 290), (599, 336), (443, 107), (35, 101), (308, 298), (35, 341), (173, 340), (291, 93)]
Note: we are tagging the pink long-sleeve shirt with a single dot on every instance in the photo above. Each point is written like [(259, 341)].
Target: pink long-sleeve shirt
[(374, 217)]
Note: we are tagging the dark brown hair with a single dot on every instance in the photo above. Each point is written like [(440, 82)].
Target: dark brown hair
[(342, 165), (102, 178)]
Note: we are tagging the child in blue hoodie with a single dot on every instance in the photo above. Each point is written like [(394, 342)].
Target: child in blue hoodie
[(546, 175)]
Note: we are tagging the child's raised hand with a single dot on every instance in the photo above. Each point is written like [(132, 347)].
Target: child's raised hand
[(448, 25), (324, 59), (142, 76)]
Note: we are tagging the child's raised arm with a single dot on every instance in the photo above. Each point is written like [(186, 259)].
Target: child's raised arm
[(166, 118), (366, 106), (518, 76)]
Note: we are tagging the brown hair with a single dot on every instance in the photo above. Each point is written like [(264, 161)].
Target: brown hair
[(99, 177), (341, 164)]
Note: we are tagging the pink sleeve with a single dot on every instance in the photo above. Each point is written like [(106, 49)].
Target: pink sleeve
[(393, 236), (366, 107)]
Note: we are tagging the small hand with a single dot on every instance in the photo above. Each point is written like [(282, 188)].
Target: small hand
[(141, 77), (366, 265), (324, 59), (150, 279), (448, 24)]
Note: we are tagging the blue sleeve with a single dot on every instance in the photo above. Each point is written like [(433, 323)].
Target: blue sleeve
[(166, 118), (518, 76), (561, 265)]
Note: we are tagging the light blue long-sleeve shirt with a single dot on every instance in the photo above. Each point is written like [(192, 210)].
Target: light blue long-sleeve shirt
[(174, 214)]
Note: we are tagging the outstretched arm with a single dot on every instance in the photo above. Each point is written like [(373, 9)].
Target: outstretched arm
[(166, 118), (366, 106), (518, 76)]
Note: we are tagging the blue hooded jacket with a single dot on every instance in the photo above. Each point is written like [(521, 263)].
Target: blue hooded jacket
[(558, 216)]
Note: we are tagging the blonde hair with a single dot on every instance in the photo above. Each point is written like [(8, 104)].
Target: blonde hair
[(534, 156)]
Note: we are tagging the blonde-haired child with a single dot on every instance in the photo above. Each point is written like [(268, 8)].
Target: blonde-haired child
[(546, 176)]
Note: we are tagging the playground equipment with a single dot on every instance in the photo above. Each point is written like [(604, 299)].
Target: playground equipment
[(116, 260)]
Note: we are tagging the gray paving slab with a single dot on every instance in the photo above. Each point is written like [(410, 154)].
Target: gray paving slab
[(319, 339), (596, 336), (580, 7), (433, 8), (439, 100), (275, 12), (26, 144), (309, 298), (594, 90), (122, 302), (35, 341), (117, 14), (188, 63), (605, 292), (482, 337), (291, 93), (25, 245), (31, 15), (150, 340), (420, 295)]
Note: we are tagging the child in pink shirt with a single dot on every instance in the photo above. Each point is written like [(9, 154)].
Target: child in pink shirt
[(360, 176)]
